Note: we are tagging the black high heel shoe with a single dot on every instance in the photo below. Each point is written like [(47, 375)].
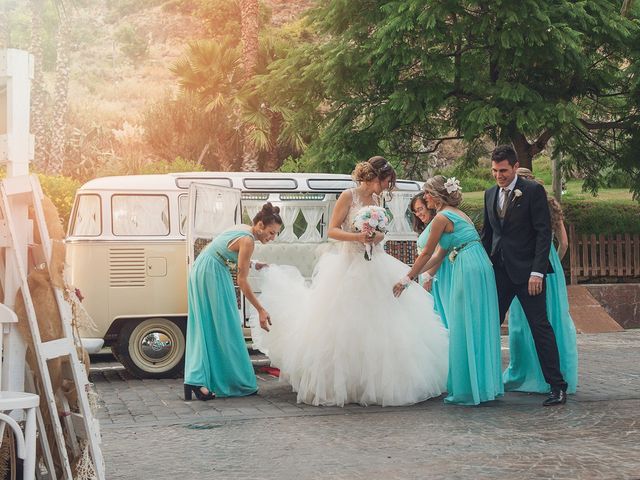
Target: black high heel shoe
[(195, 389)]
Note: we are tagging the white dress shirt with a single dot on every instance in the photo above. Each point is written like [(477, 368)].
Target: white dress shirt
[(502, 196)]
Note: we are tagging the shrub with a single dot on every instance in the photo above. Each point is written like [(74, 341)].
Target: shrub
[(62, 191), (178, 165), (602, 217), (186, 7), (597, 216), (122, 8), (133, 44)]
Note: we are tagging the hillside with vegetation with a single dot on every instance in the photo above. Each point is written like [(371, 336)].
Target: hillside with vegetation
[(143, 86)]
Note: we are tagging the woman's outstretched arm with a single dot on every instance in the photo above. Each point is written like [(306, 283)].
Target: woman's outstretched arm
[(438, 226), (245, 250)]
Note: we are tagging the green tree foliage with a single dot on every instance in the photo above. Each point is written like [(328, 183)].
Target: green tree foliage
[(399, 77), (179, 127), (213, 71)]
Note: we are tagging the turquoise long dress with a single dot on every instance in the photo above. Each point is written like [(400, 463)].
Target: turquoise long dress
[(216, 354), (441, 277), (524, 373), (472, 314)]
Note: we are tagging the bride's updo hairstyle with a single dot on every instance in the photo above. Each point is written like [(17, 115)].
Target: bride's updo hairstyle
[(375, 167), (436, 187), (268, 215)]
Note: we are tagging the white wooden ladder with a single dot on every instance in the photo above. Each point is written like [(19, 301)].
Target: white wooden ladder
[(83, 424)]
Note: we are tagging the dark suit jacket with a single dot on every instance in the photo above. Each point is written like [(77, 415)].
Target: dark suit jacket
[(523, 239)]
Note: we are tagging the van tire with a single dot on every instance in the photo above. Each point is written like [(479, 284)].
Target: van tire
[(152, 360)]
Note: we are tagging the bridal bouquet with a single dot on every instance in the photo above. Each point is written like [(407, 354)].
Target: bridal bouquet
[(370, 219)]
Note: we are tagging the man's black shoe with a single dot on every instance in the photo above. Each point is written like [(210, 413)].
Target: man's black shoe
[(557, 397)]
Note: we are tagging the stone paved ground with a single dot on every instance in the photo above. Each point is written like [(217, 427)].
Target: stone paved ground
[(149, 432)]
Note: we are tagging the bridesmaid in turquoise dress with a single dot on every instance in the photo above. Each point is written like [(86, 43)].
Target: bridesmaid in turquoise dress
[(217, 362), (436, 276), (470, 307), (524, 373)]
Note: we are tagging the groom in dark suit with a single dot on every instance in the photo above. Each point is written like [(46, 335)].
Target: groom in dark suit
[(517, 236)]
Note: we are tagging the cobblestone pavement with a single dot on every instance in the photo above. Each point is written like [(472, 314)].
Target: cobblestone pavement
[(150, 432)]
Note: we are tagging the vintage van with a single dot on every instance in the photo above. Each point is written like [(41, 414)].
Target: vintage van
[(131, 238)]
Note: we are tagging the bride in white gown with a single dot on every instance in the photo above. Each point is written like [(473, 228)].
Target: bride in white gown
[(345, 338)]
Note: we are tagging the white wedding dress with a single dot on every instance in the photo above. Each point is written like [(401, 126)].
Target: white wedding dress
[(345, 338)]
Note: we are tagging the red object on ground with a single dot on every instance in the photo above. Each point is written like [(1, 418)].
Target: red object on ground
[(270, 371)]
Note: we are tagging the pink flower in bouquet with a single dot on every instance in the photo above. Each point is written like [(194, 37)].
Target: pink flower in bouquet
[(371, 219)]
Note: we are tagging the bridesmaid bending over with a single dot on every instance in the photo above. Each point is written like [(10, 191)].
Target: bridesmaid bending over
[(438, 274), (217, 362)]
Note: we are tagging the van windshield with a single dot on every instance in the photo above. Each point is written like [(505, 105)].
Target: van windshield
[(87, 221)]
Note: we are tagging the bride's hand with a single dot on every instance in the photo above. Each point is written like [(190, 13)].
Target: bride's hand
[(260, 266), (265, 319), (363, 237), (378, 237), (398, 288)]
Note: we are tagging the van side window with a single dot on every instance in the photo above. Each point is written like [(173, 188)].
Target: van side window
[(140, 215), (87, 221)]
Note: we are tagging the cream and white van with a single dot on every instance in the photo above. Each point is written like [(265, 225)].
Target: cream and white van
[(131, 239)]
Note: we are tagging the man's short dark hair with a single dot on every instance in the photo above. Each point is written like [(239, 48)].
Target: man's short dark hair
[(504, 152)]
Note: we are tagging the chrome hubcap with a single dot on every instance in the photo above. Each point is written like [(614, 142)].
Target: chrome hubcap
[(156, 346)]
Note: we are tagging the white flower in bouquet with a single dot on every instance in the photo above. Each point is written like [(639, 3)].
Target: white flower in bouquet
[(370, 219)]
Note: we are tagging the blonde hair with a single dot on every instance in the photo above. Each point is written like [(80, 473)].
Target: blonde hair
[(435, 186), (375, 167), (526, 173), (557, 217), (364, 172)]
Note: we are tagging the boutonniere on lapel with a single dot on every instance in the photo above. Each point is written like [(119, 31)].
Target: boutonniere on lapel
[(517, 193)]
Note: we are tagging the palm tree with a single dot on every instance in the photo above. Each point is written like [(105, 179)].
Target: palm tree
[(38, 93), (211, 70), (61, 99), (50, 133), (249, 11)]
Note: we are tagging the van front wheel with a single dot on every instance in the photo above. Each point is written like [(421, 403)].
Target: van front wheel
[(153, 348)]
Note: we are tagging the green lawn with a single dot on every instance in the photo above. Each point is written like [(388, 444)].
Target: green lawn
[(574, 194)]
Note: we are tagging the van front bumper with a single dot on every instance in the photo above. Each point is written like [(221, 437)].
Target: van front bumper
[(92, 345)]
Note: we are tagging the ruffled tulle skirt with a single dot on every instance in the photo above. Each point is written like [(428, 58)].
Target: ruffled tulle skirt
[(344, 338)]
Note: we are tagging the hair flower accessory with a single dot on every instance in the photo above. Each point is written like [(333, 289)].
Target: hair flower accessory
[(452, 185)]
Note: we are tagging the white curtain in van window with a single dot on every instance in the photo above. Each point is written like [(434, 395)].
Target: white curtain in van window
[(215, 211), (140, 215), (252, 211), (398, 206), (288, 214), (312, 215), (87, 220)]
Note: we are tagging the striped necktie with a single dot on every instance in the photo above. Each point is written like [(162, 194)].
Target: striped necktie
[(505, 203)]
